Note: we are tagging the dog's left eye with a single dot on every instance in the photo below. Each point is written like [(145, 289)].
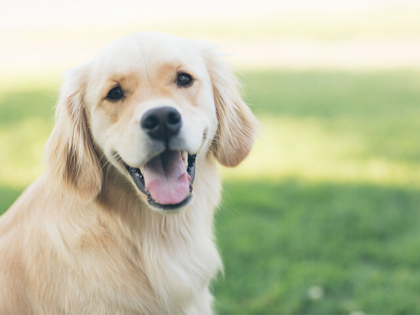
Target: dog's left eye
[(184, 79), (115, 94)]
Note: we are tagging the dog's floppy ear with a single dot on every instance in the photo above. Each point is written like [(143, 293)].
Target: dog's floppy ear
[(236, 129), (69, 154)]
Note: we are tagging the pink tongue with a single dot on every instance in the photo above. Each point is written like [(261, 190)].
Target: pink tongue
[(166, 178)]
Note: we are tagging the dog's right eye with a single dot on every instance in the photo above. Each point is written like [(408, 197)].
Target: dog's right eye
[(115, 94)]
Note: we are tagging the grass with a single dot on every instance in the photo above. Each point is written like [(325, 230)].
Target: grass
[(359, 243), (323, 216), (335, 126)]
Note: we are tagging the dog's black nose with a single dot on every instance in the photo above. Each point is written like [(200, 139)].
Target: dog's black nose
[(161, 123)]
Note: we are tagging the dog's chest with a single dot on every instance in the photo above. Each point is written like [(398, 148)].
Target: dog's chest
[(179, 272), (167, 275)]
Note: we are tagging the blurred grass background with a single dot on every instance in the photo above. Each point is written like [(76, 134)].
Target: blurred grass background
[(323, 217)]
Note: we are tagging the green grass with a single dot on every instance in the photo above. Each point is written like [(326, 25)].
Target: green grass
[(329, 199), (369, 105), (354, 127), (360, 243)]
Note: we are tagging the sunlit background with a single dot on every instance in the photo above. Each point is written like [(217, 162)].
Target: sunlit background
[(323, 217)]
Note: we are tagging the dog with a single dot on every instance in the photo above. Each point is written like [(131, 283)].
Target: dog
[(121, 221)]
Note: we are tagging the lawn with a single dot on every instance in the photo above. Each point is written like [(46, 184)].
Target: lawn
[(323, 218)]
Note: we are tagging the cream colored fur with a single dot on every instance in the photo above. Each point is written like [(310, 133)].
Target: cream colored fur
[(81, 239)]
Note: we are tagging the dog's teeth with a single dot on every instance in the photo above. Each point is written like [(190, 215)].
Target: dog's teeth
[(185, 158)]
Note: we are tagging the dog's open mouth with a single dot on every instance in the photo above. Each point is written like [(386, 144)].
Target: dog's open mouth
[(166, 179)]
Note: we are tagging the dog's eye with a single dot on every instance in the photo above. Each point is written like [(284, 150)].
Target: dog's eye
[(184, 79), (115, 94)]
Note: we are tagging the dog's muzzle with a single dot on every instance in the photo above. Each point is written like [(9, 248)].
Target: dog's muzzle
[(166, 178)]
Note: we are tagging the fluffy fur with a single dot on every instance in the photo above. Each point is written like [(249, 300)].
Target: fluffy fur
[(82, 239)]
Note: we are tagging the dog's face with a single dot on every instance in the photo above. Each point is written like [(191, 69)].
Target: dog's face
[(152, 112), (153, 106)]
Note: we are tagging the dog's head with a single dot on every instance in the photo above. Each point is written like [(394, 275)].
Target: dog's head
[(152, 106)]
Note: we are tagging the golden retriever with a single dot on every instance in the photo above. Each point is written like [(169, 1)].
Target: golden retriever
[(121, 221)]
